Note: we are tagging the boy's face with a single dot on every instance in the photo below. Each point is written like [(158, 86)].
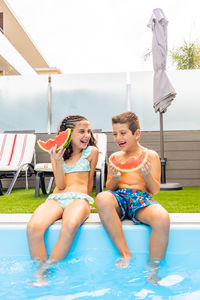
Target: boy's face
[(124, 137)]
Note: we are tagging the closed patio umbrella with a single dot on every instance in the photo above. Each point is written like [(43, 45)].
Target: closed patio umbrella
[(163, 91)]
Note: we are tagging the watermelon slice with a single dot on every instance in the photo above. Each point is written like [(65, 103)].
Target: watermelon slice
[(63, 139), (132, 164)]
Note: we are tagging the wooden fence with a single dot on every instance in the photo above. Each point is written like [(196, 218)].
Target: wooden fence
[(181, 148)]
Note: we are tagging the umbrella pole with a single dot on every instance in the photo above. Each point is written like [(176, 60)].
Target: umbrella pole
[(161, 137), (163, 160), (165, 186)]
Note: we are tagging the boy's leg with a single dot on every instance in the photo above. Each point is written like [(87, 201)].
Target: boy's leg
[(73, 216), (158, 218), (42, 218), (110, 213)]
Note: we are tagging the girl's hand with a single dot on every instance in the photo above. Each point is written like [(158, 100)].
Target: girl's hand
[(114, 172), (57, 156), (146, 168)]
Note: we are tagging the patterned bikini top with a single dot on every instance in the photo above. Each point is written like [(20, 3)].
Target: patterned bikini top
[(82, 165)]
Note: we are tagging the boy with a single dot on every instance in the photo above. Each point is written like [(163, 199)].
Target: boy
[(125, 190)]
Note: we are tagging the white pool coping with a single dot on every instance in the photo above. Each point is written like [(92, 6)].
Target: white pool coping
[(176, 218)]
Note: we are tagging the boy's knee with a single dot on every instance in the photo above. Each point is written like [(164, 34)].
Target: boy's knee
[(102, 200), (163, 221)]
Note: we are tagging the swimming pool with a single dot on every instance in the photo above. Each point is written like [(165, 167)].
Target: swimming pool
[(89, 272)]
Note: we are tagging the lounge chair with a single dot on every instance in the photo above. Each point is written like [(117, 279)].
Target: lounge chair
[(101, 166), (16, 154), (44, 170)]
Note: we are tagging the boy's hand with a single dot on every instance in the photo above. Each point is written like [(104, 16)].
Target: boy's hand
[(146, 168), (114, 172), (57, 156)]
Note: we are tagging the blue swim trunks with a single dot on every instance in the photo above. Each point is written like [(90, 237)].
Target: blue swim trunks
[(130, 200)]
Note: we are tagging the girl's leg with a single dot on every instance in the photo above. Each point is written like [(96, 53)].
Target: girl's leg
[(42, 218), (74, 215)]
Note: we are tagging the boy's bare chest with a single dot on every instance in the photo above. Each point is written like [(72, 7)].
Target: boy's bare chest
[(131, 177), (132, 180)]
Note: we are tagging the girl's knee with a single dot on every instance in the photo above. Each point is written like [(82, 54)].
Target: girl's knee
[(35, 228), (69, 228)]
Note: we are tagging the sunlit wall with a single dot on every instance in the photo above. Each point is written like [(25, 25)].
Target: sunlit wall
[(182, 114), (24, 100), (23, 103)]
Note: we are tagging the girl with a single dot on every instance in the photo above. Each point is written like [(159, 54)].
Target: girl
[(73, 169)]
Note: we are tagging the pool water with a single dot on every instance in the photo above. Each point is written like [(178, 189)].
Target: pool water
[(94, 275), (89, 272)]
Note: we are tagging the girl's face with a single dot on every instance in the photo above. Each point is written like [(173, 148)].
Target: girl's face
[(124, 137), (81, 134)]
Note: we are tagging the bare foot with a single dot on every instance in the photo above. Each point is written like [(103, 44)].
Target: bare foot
[(123, 262), (154, 265), (43, 266), (154, 278), (39, 282)]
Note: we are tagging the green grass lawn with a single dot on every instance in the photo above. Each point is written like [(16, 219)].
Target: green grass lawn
[(183, 201), (186, 200)]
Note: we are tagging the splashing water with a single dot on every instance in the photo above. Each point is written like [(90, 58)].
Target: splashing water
[(93, 274)]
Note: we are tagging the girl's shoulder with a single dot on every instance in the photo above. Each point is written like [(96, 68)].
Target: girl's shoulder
[(90, 150), (93, 153), (94, 150)]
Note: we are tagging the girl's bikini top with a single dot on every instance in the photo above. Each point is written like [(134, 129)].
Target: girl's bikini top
[(82, 165)]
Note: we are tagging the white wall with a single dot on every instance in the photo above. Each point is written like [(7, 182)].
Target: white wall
[(184, 112), (23, 100)]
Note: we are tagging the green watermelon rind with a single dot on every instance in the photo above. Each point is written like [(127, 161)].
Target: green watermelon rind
[(130, 170), (64, 145)]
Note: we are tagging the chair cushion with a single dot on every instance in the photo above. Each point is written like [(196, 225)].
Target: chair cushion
[(15, 150), (43, 167), (101, 139)]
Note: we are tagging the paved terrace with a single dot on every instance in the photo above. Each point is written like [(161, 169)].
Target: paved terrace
[(176, 219)]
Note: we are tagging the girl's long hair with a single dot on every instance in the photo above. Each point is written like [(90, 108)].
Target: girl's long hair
[(70, 122)]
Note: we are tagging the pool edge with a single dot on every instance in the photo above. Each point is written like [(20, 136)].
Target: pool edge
[(176, 218)]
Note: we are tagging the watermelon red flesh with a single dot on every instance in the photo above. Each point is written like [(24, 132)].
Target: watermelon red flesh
[(132, 164), (63, 139)]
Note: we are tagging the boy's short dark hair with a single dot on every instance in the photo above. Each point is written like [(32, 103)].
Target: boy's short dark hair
[(128, 118)]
